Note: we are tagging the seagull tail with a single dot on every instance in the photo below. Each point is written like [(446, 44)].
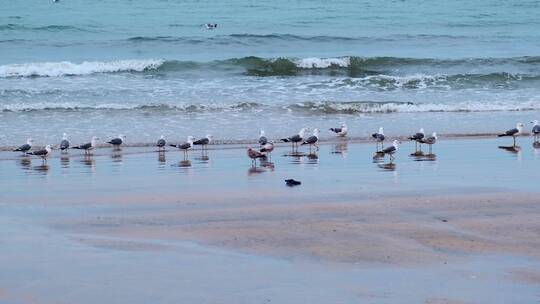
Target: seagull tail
[(502, 135), (285, 140)]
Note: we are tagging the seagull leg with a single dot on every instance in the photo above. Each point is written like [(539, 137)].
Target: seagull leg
[(514, 141)]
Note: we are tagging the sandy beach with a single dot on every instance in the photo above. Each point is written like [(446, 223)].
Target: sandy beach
[(135, 225)]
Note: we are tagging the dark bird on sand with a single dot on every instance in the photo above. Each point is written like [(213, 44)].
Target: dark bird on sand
[(291, 182)]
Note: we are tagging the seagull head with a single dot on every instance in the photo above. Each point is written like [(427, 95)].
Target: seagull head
[(95, 138), (261, 133), (421, 130), (122, 137), (162, 137), (209, 137), (381, 130), (303, 131), (48, 148), (519, 126), (395, 143), (535, 122), (434, 135), (316, 132), (29, 141), (190, 139), (343, 125), (64, 136)]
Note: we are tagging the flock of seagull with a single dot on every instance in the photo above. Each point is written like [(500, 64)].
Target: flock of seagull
[(267, 146)]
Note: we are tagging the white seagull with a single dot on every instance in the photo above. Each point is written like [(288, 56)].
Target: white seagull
[(117, 141), (64, 144), (161, 142), (185, 146), (295, 139), (391, 150), (379, 138), (88, 146), (313, 139), (26, 147), (513, 132), (262, 138), (43, 153), (342, 131), (431, 140), (203, 142)]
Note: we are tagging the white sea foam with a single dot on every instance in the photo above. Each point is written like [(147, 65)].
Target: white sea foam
[(67, 68), (322, 63)]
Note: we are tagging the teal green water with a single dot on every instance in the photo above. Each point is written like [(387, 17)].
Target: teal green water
[(155, 62)]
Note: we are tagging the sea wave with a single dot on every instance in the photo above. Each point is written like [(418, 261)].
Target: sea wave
[(381, 68), (308, 107), (66, 68)]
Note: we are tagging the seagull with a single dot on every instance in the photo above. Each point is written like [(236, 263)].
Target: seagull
[(185, 146), (379, 138), (161, 142), (204, 141), (513, 132), (535, 130), (26, 147), (417, 137), (313, 139), (267, 148), (262, 138), (295, 139), (254, 154), (43, 153), (430, 140), (88, 146), (117, 141), (64, 144), (391, 150), (341, 132)]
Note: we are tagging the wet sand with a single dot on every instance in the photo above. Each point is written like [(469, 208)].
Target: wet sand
[(460, 227)]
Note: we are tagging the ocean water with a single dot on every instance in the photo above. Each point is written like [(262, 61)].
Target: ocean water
[(147, 68)]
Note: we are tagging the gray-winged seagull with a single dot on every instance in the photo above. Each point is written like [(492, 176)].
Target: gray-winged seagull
[(342, 131), (417, 137), (513, 132), (64, 144), (161, 142), (26, 147), (185, 146), (262, 138), (313, 139), (295, 139), (431, 140), (535, 130), (391, 150), (117, 141), (379, 138), (88, 146), (203, 142), (43, 153)]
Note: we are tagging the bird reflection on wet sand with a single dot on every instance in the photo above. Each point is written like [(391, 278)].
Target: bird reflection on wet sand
[(184, 163), (511, 149), (341, 148), (25, 163), (425, 157), (64, 160), (387, 166), (536, 145), (43, 168), (161, 158), (116, 156)]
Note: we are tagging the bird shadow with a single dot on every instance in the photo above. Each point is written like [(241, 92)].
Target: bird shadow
[(417, 154), (161, 157), (511, 149), (255, 170), (387, 167), (64, 160), (43, 168), (378, 157), (184, 163), (425, 157), (341, 148), (536, 144)]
